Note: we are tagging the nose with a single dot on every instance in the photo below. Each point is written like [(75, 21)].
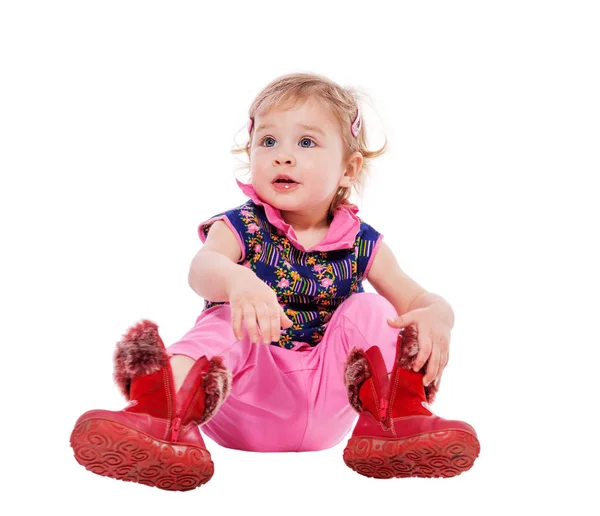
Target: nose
[(284, 159)]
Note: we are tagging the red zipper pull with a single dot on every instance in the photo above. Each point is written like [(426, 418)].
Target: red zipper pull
[(383, 406), (175, 429)]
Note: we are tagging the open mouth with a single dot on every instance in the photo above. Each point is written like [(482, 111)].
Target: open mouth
[(284, 184)]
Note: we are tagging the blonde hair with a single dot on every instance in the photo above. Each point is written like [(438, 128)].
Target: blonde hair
[(343, 103)]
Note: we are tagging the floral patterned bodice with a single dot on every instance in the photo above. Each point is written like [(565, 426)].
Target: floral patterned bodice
[(310, 284)]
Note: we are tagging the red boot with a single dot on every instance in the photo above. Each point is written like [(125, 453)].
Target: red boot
[(396, 435), (155, 440)]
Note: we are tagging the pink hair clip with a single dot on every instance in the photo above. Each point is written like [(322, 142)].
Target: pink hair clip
[(355, 128), (250, 124)]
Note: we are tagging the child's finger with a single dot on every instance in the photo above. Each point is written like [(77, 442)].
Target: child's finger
[(443, 361), (286, 322), (250, 319), (424, 351), (262, 314), (433, 367), (274, 320), (236, 323)]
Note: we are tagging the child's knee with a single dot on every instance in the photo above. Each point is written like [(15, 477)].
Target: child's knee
[(365, 303)]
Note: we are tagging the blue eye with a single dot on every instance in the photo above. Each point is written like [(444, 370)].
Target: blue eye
[(269, 141), (309, 143)]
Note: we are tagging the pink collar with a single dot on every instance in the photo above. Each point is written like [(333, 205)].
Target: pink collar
[(341, 233)]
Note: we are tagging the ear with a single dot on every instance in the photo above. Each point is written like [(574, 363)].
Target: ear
[(353, 167)]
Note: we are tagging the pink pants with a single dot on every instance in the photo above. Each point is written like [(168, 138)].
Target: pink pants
[(289, 399)]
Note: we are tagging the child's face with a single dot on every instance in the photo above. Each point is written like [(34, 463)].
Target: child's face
[(311, 156)]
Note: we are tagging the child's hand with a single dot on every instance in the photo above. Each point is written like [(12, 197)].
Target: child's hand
[(250, 300), (433, 334)]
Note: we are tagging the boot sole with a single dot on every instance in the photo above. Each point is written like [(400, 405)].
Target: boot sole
[(432, 455), (114, 450)]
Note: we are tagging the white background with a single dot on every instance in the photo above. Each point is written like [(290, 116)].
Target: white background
[(116, 124)]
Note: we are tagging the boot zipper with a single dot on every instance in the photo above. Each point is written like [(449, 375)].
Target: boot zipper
[(175, 429), (383, 408)]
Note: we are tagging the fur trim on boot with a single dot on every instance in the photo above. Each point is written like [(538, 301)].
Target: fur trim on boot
[(357, 370), (217, 386), (396, 434), (408, 355), (140, 352)]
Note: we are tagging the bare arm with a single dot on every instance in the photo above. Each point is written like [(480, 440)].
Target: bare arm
[(390, 281), (216, 276), (215, 268)]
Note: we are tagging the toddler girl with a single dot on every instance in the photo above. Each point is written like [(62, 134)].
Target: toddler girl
[(288, 347)]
